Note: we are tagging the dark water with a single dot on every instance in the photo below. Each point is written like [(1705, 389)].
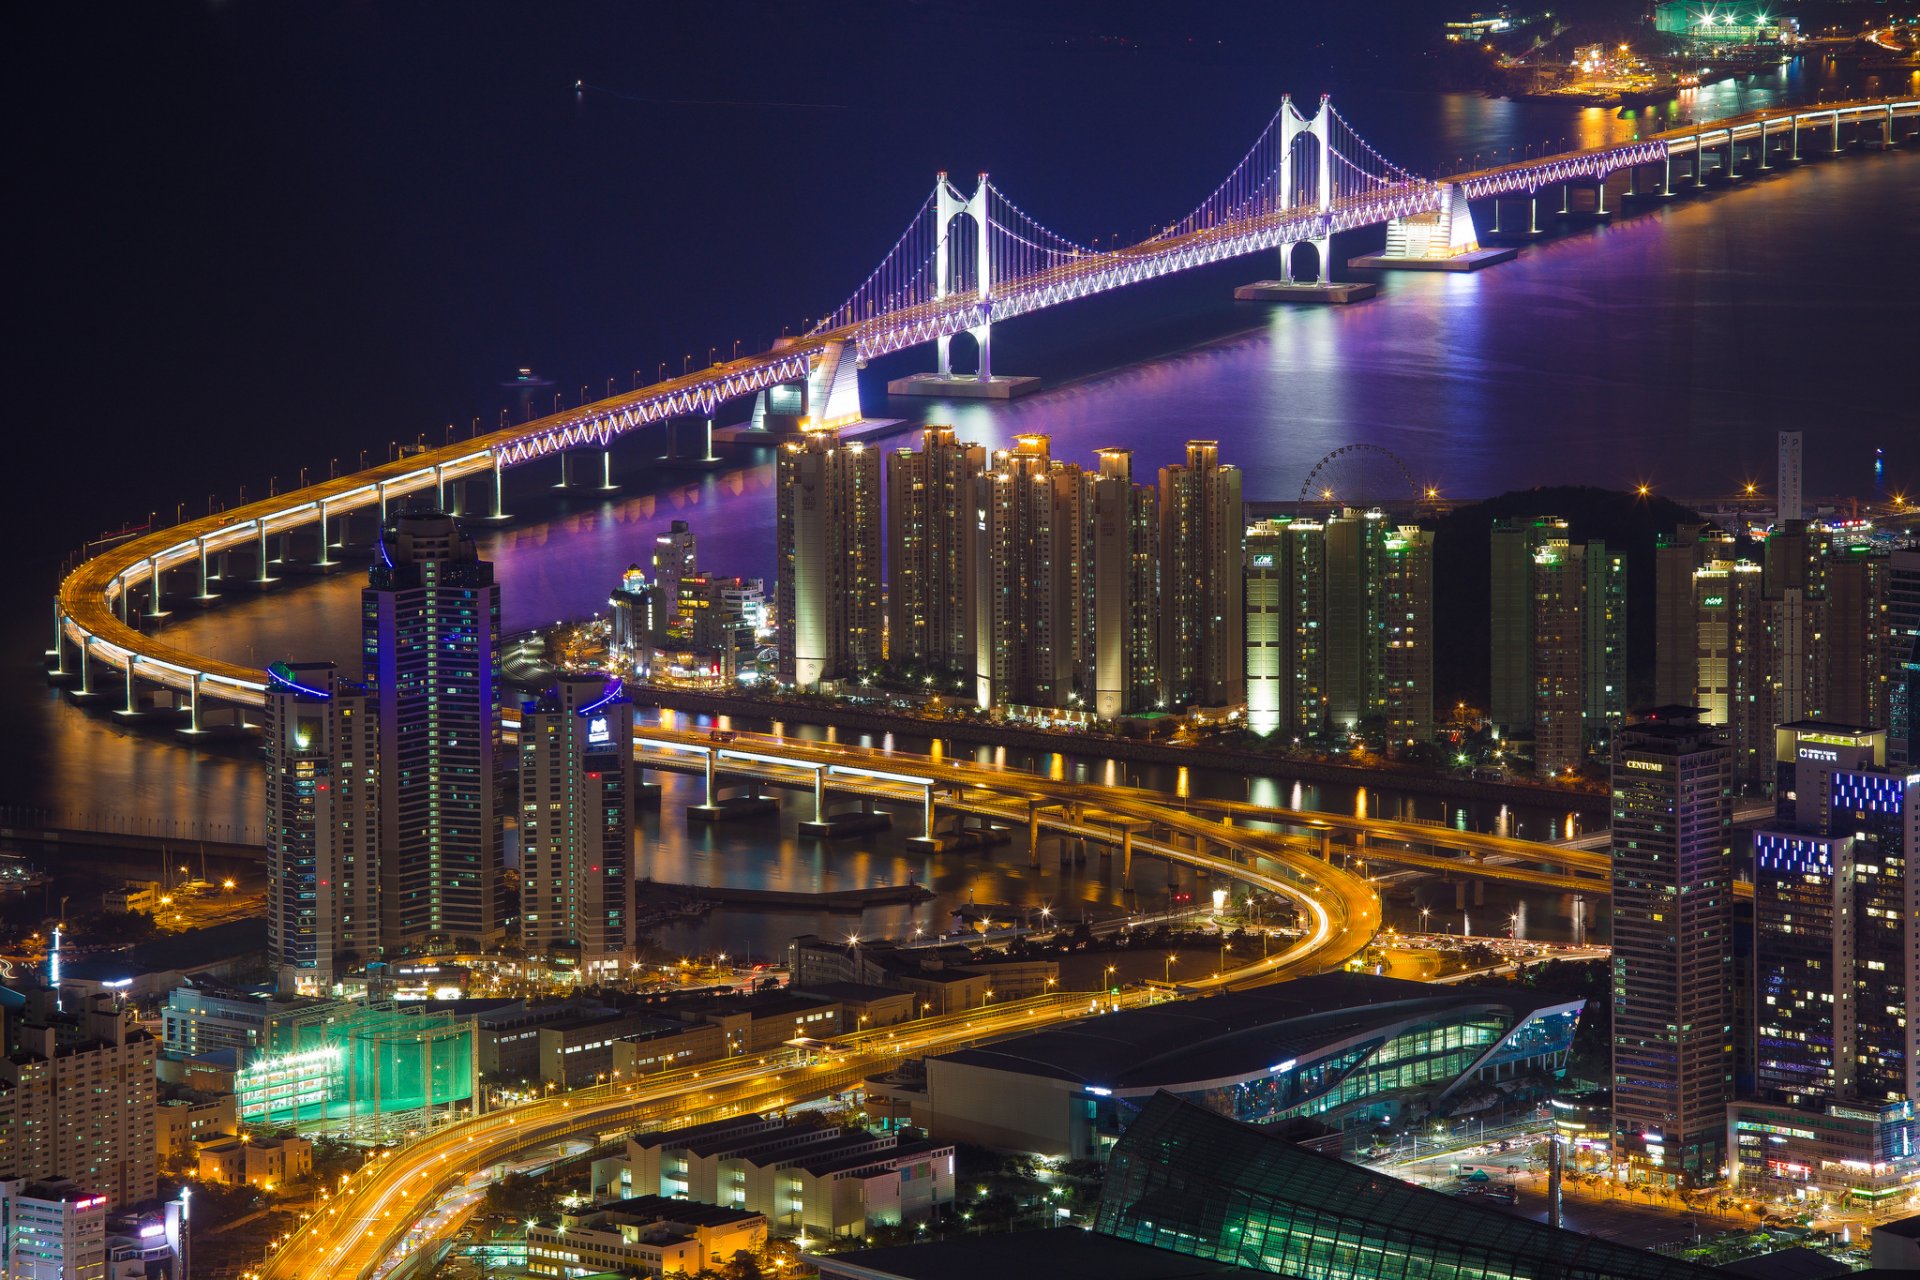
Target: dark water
[(265, 237)]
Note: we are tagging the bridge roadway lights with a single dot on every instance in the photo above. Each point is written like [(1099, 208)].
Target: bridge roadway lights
[(962, 386)]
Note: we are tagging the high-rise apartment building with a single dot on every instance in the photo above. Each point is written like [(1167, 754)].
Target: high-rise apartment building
[(1202, 642), (1339, 625), (639, 616), (1286, 585), (1675, 559), (323, 825), (1859, 640), (829, 536), (577, 828), (1730, 671), (1122, 613), (1673, 1018), (936, 542), (77, 1101), (431, 630), (1559, 629), (1035, 592)]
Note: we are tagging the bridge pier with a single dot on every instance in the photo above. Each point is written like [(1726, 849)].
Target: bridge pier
[(1443, 240), (499, 491), (690, 444)]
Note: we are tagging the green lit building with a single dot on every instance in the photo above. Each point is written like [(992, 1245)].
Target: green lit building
[(1189, 1181), (349, 1061), (1737, 22)]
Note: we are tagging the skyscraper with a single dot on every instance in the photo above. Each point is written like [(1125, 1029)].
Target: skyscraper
[(323, 823), (1675, 559), (1406, 634), (1903, 628), (577, 827), (1202, 644), (1559, 620), (1730, 673), (936, 542), (1829, 899), (430, 620), (1286, 612), (1672, 946), (1035, 601), (1792, 505), (1124, 588), (829, 533)]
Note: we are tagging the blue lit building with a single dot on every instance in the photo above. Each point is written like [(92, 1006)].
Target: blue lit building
[(1348, 1050)]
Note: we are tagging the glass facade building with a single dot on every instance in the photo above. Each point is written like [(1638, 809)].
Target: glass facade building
[(1196, 1183), (351, 1061)]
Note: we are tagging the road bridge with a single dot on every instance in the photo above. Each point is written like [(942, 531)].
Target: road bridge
[(1304, 180)]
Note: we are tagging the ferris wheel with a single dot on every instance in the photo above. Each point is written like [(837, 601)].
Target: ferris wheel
[(1358, 475)]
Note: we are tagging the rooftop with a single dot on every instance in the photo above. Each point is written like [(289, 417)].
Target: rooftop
[(1064, 1253), (1236, 1035)]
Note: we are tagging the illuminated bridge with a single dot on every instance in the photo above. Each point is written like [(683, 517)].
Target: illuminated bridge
[(965, 259)]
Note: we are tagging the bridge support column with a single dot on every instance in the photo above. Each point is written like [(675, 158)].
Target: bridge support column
[(820, 795), (606, 466), (133, 704), (1126, 857), (326, 548), (86, 666), (1796, 137), (1533, 213), (264, 577), (1600, 196), (1033, 833), (562, 454), (206, 592), (193, 707), (59, 651), (1666, 176), (1886, 138), (154, 611), (499, 491), (1765, 162), (1836, 132)]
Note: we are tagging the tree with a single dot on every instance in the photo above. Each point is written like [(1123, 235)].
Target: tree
[(744, 1266)]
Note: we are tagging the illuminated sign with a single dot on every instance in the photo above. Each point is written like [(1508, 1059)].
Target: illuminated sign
[(598, 732), (1263, 560), (1714, 601), (1820, 754), (1651, 766)]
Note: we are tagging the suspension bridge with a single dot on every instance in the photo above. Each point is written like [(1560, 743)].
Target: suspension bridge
[(965, 260)]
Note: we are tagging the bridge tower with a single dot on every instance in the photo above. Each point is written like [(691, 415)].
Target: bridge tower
[(949, 205), (1292, 125)]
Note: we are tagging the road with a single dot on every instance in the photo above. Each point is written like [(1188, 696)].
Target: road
[(382, 1208)]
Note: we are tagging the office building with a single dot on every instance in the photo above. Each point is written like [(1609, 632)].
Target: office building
[(431, 633), (640, 610), (1861, 1154), (722, 617), (1034, 591), (1903, 674), (323, 824), (77, 1100), (803, 1178), (577, 829), (1360, 1051), (54, 1229), (1122, 607), (1202, 637), (828, 544), (643, 1236), (1559, 626), (1672, 947), (936, 542), (674, 558)]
